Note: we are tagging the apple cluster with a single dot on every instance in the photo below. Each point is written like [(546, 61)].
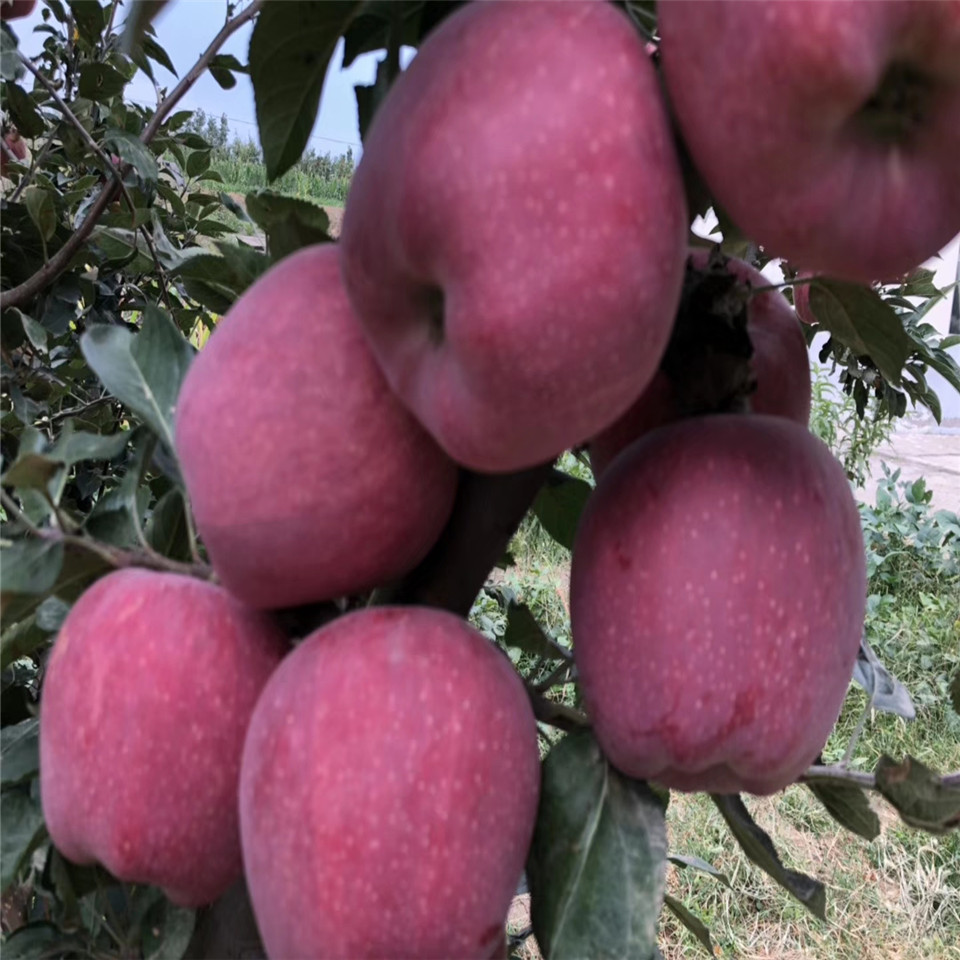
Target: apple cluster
[(513, 279)]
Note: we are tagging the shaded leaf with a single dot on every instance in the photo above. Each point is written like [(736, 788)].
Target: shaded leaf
[(24, 111), (847, 804), (525, 633), (99, 81), (290, 50), (289, 222), (22, 830), (40, 207), (955, 692), (144, 371), (920, 795), (131, 150), (31, 566), (139, 17), (597, 865), (759, 848), (691, 921), (19, 751), (167, 530), (858, 318), (559, 504), (167, 930), (21, 639), (217, 281), (37, 941), (89, 18)]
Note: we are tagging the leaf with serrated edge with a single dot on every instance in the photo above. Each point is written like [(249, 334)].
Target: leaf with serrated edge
[(759, 848), (597, 864), (143, 371)]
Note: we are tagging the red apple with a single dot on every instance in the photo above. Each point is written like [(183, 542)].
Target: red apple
[(307, 477), (388, 791), (779, 364), (515, 233), (717, 599), (16, 9), (17, 147), (145, 705), (828, 130)]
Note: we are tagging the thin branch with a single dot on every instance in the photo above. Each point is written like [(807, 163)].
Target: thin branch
[(64, 256), (858, 778)]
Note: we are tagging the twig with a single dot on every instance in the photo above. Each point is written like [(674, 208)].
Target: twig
[(64, 256)]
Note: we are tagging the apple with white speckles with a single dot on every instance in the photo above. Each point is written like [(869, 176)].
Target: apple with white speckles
[(779, 365), (717, 600), (307, 477), (144, 708), (828, 130), (388, 791), (514, 238)]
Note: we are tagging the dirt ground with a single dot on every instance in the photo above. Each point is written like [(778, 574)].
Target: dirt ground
[(921, 448)]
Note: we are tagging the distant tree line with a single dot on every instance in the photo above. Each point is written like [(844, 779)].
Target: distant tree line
[(240, 162)]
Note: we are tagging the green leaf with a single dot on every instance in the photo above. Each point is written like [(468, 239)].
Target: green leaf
[(36, 332), (290, 50), (921, 797), (759, 848), (22, 830), (885, 691), (20, 640), (847, 804), (31, 566), (32, 471), (10, 66), (289, 222), (525, 633), (559, 504), (691, 921), (155, 52), (100, 82), (40, 207), (38, 940), (89, 18), (24, 111), (131, 150), (167, 530), (144, 371), (217, 281), (198, 162), (597, 865), (141, 13), (167, 930), (19, 751), (858, 318)]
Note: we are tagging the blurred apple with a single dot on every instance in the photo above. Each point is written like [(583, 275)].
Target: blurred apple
[(829, 131)]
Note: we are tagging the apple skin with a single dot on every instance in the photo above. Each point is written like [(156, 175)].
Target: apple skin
[(388, 791), (308, 479), (770, 101), (779, 363), (16, 145), (16, 9), (515, 233), (717, 599), (145, 705)]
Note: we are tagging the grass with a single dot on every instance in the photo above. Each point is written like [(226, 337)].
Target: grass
[(241, 176), (895, 898)]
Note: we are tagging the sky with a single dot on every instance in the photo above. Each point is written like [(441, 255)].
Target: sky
[(184, 29)]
